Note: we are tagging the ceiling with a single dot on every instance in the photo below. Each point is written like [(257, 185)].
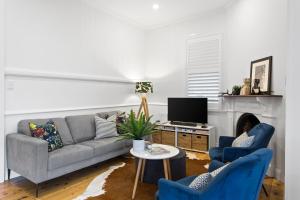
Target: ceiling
[(140, 12)]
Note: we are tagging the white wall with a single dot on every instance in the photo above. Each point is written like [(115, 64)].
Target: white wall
[(1, 89), (257, 29), (64, 57), (251, 29), (292, 174), (166, 53)]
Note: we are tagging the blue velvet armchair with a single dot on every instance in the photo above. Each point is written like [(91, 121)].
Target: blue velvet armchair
[(225, 153), (240, 180)]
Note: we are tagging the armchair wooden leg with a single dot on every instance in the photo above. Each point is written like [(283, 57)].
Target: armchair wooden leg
[(8, 174), (37, 190), (265, 191)]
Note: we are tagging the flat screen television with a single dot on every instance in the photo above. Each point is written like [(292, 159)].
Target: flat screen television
[(189, 110)]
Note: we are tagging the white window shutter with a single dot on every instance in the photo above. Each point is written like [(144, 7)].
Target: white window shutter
[(204, 67)]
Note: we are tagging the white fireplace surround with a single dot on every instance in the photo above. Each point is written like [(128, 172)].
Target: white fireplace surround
[(268, 110)]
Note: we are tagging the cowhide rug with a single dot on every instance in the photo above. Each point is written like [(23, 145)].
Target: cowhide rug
[(117, 182)]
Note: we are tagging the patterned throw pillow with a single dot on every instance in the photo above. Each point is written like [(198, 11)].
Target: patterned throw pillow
[(201, 181), (243, 141), (47, 132), (120, 119), (217, 171)]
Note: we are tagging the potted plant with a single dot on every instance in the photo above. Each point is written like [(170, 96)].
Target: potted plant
[(137, 128), (236, 90)]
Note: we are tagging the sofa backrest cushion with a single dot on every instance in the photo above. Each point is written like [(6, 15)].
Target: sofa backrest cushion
[(82, 127), (60, 123)]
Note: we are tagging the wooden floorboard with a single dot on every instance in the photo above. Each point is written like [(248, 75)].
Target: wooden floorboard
[(72, 185)]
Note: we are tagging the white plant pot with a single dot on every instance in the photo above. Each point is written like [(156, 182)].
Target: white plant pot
[(138, 145)]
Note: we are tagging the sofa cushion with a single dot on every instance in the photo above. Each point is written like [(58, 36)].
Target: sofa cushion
[(82, 127), (68, 155), (47, 132), (60, 123), (106, 145)]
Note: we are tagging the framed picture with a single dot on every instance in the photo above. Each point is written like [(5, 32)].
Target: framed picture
[(260, 75)]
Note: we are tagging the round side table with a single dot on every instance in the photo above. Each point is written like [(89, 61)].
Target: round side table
[(145, 155)]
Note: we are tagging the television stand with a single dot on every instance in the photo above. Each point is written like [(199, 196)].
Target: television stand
[(183, 123), (193, 138)]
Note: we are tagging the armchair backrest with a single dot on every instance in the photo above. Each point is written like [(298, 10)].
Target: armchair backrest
[(241, 179), (263, 134)]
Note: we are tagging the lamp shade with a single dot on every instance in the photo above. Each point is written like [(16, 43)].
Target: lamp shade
[(144, 87)]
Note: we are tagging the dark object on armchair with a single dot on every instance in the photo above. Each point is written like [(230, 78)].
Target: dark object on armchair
[(225, 153), (241, 179), (245, 123)]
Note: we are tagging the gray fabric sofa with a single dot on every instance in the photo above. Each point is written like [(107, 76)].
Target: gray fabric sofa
[(29, 156)]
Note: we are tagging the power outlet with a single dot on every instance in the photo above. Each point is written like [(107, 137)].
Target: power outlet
[(10, 85)]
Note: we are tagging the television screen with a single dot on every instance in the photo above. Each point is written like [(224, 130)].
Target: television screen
[(187, 110)]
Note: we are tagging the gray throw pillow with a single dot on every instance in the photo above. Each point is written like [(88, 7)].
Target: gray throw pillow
[(243, 141), (105, 128)]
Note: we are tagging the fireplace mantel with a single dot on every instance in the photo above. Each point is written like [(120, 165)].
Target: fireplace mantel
[(263, 105), (268, 109)]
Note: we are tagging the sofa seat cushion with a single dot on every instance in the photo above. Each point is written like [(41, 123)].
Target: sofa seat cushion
[(60, 123), (106, 145), (68, 155), (82, 127), (216, 153)]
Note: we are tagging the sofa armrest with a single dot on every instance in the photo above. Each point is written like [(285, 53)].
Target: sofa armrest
[(28, 156), (225, 141), (232, 153), (175, 191)]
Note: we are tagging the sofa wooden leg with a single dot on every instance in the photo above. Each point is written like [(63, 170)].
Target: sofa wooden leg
[(8, 174), (265, 191), (37, 190)]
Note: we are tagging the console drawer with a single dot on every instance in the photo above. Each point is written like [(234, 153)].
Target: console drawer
[(185, 140), (168, 137), (200, 142)]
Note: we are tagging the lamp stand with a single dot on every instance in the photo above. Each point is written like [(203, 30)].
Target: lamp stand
[(144, 107)]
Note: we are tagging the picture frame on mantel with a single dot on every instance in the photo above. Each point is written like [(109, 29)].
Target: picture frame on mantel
[(260, 76)]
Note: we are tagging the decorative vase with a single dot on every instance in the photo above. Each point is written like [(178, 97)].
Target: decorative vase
[(246, 87), (138, 145)]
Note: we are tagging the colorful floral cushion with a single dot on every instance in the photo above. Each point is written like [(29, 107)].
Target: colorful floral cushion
[(120, 119), (47, 132)]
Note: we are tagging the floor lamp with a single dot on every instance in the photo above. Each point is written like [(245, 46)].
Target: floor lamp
[(143, 89)]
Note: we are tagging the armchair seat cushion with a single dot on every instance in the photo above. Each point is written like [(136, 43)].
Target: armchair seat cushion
[(216, 153), (106, 145), (68, 155)]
